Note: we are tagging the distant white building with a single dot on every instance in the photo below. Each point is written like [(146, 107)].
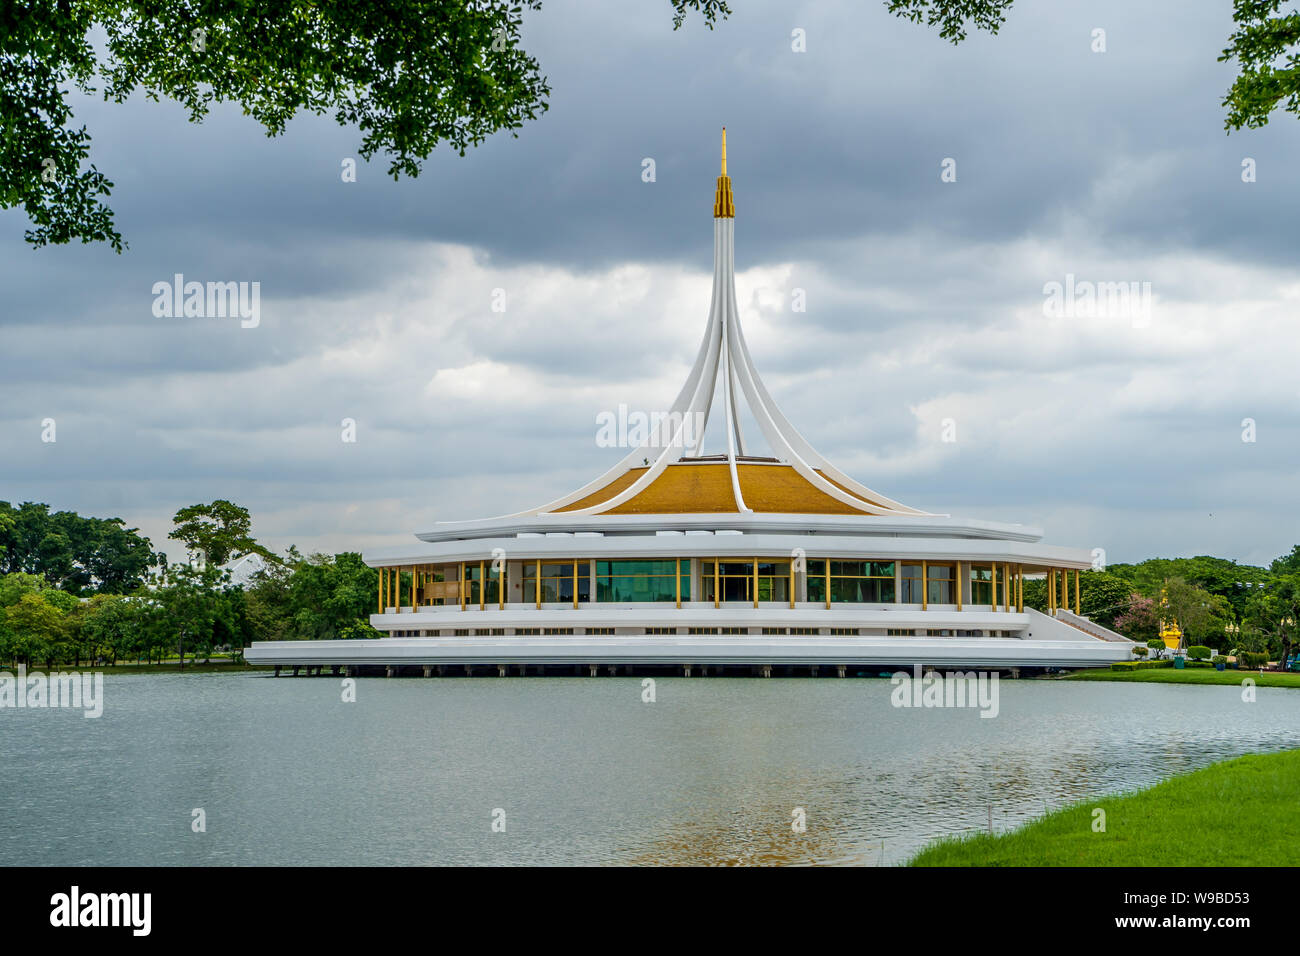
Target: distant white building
[(242, 569)]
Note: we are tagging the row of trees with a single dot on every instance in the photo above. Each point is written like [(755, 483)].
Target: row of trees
[(72, 553), (119, 600), (1216, 602)]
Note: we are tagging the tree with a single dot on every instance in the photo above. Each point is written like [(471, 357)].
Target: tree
[(1200, 614), (1276, 612), (330, 597), (265, 600), (1264, 45), (14, 586), (113, 622), (220, 532), (1140, 621), (409, 75), (73, 552), (1103, 596), (33, 629), (190, 609), (1288, 563), (1227, 579)]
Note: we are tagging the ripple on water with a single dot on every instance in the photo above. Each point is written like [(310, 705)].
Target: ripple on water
[(584, 771)]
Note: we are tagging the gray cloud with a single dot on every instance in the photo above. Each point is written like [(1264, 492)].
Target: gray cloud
[(924, 298)]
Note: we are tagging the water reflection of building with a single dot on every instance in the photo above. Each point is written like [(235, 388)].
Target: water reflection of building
[(745, 557)]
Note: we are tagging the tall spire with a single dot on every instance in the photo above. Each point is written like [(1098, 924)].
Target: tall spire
[(723, 359), (724, 206)]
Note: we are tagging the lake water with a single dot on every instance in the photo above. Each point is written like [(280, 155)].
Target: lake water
[(585, 772)]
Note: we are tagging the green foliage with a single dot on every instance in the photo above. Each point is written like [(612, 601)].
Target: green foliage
[(330, 597), (1227, 579), (34, 629), (1264, 45), (1141, 651), (408, 74), (44, 48), (1274, 612), (1198, 652), (953, 17), (189, 611), (111, 624), (1253, 659), (75, 553), (220, 532)]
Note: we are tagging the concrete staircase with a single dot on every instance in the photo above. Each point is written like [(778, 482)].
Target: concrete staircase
[(1089, 627)]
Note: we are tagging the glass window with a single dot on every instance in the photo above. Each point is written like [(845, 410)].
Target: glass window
[(480, 578), (734, 579), (939, 584), (774, 580), (981, 584), (910, 579), (558, 581), (632, 581), (854, 582)]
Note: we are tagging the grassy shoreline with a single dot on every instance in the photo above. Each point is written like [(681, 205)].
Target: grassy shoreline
[(1225, 814), (1170, 675)]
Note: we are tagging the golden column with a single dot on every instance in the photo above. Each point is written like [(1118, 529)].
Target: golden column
[(925, 586), (755, 582), (1076, 590), (537, 590), (993, 600)]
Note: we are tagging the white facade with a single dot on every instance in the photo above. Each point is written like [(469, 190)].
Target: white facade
[(947, 591)]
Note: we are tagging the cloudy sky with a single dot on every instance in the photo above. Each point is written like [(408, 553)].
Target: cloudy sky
[(1109, 427)]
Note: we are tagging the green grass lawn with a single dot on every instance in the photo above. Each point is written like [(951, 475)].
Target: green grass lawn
[(1237, 813), (1208, 675)]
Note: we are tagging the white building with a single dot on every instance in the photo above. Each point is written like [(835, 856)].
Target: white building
[(674, 557)]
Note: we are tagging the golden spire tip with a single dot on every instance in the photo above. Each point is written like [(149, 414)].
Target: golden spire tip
[(724, 206)]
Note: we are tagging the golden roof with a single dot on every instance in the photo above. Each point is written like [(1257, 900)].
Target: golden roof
[(705, 488)]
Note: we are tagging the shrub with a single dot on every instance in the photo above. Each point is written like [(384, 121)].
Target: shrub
[(1140, 652), (1198, 652), (1253, 659)]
